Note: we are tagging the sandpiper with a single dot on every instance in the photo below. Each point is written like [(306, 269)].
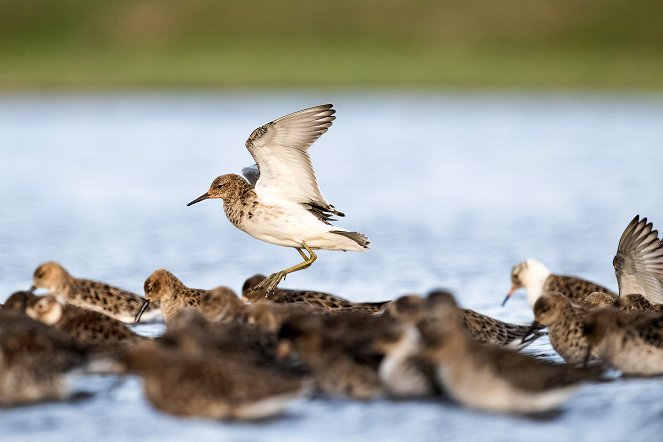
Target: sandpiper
[(638, 266), (87, 327), (564, 321), (412, 308), (166, 289), (35, 360), (285, 206), (339, 350), (92, 295), (537, 279), (629, 342), (182, 383), (312, 298), (488, 377)]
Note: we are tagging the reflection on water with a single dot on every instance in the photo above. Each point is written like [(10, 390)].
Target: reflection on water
[(452, 190)]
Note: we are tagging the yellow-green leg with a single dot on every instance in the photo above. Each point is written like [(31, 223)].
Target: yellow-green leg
[(270, 283)]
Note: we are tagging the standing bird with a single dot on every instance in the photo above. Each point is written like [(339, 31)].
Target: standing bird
[(491, 378), (91, 295), (638, 266), (86, 327), (281, 202), (320, 300), (538, 280), (165, 289), (629, 342)]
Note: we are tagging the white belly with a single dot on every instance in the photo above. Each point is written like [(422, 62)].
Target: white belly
[(293, 227)]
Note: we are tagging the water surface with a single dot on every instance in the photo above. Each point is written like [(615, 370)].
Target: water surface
[(452, 190)]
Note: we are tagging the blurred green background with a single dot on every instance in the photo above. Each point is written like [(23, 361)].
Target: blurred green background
[(189, 44)]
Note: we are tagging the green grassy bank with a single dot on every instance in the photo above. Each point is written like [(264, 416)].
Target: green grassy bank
[(562, 44)]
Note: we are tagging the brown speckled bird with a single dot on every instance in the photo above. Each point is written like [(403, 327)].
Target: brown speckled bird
[(412, 308), (537, 280), (164, 288), (92, 295), (326, 301), (638, 267), (492, 378), (87, 327), (282, 203), (183, 382), (564, 321), (629, 342)]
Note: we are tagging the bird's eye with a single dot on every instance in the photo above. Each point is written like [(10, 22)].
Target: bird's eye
[(218, 186)]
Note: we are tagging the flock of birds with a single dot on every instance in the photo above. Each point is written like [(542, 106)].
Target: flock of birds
[(223, 356)]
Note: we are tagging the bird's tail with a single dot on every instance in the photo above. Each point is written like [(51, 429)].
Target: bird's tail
[(357, 237)]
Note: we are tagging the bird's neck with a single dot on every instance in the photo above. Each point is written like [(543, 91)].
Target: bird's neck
[(240, 204)]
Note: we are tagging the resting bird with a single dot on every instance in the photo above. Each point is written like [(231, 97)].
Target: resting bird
[(281, 202), (638, 266)]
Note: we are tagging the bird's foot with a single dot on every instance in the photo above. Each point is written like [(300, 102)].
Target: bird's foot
[(268, 284)]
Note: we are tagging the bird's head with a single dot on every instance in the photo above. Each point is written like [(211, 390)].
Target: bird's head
[(51, 276), (159, 284), (407, 309), (223, 187), (45, 309), (530, 275)]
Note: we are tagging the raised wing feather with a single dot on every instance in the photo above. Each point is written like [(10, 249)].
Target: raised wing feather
[(639, 261), (280, 151)]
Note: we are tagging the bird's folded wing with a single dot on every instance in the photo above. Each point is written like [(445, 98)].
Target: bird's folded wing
[(639, 261), (280, 150), (251, 173)]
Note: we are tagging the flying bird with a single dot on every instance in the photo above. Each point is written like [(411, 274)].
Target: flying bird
[(280, 201)]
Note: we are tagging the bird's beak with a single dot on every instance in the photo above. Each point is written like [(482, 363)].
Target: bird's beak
[(32, 289), (202, 197), (143, 307), (508, 295), (535, 325)]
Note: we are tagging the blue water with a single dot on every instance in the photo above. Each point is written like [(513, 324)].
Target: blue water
[(452, 190)]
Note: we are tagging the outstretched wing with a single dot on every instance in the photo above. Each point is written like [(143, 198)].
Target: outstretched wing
[(285, 170), (639, 261)]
